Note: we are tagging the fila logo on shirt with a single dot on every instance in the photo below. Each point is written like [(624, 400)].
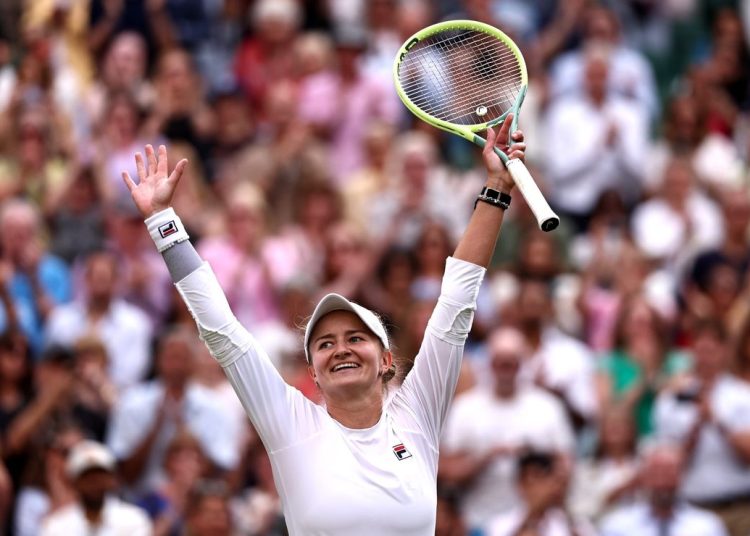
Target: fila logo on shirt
[(401, 452), (167, 229)]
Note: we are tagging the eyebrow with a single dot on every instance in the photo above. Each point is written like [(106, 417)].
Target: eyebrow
[(330, 335)]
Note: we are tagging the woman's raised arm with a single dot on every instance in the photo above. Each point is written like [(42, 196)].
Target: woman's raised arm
[(478, 241)]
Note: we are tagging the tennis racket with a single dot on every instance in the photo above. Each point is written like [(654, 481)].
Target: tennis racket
[(464, 76)]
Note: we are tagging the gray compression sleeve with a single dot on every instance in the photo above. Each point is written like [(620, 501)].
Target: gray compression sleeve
[(181, 259)]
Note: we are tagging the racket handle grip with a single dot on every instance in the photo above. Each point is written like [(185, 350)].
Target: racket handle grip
[(545, 217)]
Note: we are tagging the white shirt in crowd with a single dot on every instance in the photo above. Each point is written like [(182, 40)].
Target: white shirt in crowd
[(334, 480), (118, 519), (638, 519), (714, 472), (554, 523), (125, 331), (677, 242), (203, 415), (479, 422), (567, 364), (579, 163)]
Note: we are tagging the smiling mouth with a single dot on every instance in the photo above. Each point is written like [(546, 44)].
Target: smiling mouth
[(344, 366)]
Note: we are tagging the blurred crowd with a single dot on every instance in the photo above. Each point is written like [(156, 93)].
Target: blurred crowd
[(606, 382)]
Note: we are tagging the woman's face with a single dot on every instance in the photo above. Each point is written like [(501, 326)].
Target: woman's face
[(347, 358)]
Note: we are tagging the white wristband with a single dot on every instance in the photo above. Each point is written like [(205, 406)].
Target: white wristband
[(166, 229)]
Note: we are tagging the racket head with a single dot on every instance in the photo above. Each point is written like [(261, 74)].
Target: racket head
[(461, 76)]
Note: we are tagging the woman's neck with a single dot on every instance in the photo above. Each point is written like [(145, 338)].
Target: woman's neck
[(358, 413)]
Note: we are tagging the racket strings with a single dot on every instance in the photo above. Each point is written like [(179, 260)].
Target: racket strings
[(417, 89), (464, 77)]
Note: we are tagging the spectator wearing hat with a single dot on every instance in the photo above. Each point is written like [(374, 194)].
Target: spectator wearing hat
[(91, 467)]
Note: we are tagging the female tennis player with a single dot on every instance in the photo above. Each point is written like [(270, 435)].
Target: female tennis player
[(363, 463)]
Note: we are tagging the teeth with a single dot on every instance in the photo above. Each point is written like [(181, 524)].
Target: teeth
[(344, 365)]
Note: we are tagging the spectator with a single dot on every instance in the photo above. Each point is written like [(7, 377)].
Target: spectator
[(708, 414), (184, 466), (340, 104), (609, 477), (147, 417), (558, 362), (266, 55), (661, 511), (489, 426), (34, 165), (76, 216), (46, 487), (641, 363), (183, 113), (542, 480), (372, 179), (123, 68), (39, 281), (674, 212), (119, 132), (349, 261), (433, 245), (124, 329), (94, 394), (258, 510), (728, 261), (92, 467), (419, 191), (208, 510), (143, 282), (607, 157), (242, 257)]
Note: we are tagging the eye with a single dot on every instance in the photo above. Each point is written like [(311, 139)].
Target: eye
[(355, 338), (325, 344)]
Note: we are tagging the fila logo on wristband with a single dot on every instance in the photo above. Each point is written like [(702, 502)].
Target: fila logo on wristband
[(167, 229)]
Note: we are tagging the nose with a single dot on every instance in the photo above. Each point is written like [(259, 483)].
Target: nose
[(341, 349)]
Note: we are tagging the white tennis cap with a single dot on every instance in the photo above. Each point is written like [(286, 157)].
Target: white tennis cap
[(336, 302), (87, 455)]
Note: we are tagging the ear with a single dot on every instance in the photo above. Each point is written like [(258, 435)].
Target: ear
[(311, 372), (386, 359)]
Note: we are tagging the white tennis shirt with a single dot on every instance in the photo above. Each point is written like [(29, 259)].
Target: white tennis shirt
[(334, 480)]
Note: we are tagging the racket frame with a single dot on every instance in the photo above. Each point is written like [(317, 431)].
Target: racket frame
[(546, 218)]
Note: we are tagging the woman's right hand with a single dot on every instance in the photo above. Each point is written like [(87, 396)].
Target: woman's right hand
[(155, 188)]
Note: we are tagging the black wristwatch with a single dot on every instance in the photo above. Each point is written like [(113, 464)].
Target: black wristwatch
[(494, 198)]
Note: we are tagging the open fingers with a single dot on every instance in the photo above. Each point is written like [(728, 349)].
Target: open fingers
[(177, 171), (140, 165), (151, 158), (161, 164), (128, 181)]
